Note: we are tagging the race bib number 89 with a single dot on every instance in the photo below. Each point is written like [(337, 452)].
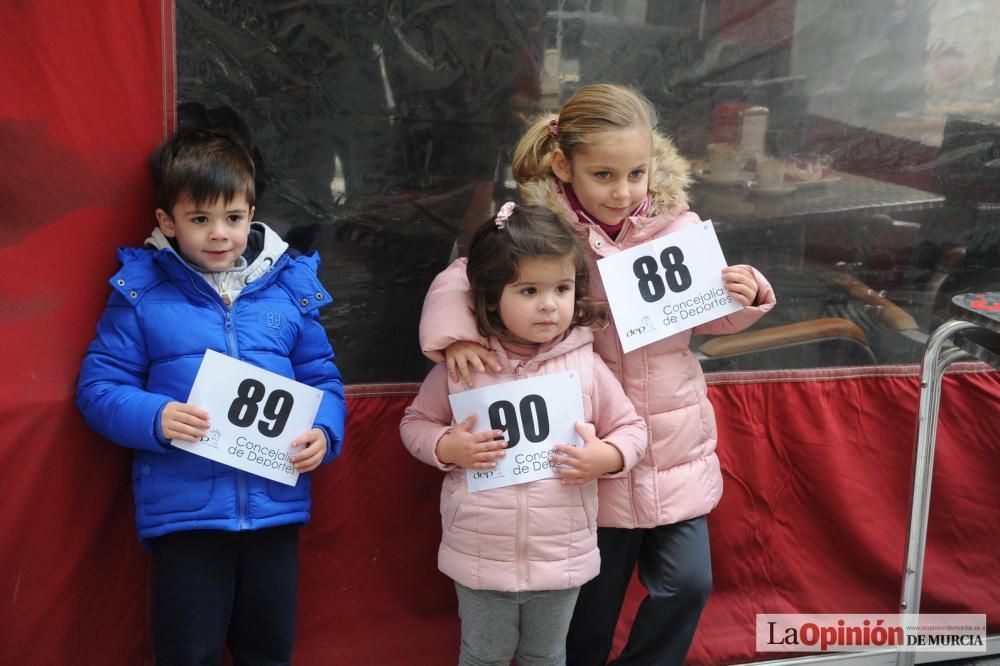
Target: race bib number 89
[(254, 416)]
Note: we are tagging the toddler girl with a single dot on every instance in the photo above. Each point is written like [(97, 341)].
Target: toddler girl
[(518, 554)]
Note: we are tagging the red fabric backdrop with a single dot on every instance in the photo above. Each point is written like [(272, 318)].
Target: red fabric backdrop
[(813, 519), (82, 106), (817, 472)]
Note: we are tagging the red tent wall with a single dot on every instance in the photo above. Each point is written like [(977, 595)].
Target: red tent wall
[(817, 468), (82, 106), (817, 471)]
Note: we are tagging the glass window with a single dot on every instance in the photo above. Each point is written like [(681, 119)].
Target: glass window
[(384, 133)]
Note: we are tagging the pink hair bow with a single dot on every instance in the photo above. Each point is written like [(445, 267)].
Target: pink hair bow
[(504, 214)]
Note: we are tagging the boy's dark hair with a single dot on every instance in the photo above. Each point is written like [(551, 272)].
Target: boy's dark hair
[(204, 164), (494, 255)]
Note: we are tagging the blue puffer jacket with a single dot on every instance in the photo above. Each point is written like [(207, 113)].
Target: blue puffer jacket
[(160, 319)]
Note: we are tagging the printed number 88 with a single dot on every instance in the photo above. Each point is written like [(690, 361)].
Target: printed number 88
[(651, 285)]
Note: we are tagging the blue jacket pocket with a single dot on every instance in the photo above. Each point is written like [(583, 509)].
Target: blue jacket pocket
[(174, 482)]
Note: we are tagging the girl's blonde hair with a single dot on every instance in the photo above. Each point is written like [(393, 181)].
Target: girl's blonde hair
[(495, 253), (594, 110)]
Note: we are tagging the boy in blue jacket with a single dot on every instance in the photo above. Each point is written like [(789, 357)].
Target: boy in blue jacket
[(224, 542)]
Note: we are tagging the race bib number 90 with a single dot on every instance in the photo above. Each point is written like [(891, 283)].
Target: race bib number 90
[(666, 286), (533, 415), (254, 414), (529, 419)]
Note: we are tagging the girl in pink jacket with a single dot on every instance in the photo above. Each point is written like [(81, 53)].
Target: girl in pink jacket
[(606, 171), (518, 554)]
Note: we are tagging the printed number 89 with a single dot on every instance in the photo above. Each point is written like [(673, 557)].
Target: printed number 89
[(277, 408)]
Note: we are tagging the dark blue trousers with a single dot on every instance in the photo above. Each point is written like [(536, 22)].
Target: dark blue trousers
[(675, 568), (213, 588)]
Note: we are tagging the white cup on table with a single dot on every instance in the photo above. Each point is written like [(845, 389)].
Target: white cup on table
[(770, 173), (725, 160)]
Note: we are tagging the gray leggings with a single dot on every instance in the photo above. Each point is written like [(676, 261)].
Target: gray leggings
[(531, 626)]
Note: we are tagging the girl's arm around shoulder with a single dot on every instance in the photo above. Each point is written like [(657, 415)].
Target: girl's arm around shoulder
[(447, 314), (615, 419), (745, 285)]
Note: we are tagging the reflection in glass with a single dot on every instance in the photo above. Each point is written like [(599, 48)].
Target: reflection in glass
[(384, 130)]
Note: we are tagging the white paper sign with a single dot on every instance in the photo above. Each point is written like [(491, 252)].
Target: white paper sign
[(254, 414), (535, 414), (666, 286)]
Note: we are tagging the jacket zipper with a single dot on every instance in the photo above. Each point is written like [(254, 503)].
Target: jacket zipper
[(630, 476), (621, 243), (627, 231), (522, 512), (232, 349), (241, 481), (522, 523)]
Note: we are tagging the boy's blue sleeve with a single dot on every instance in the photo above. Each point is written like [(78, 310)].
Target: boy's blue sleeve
[(312, 359), (110, 389)]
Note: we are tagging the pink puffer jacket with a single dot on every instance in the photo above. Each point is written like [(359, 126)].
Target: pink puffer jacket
[(679, 477), (533, 536)]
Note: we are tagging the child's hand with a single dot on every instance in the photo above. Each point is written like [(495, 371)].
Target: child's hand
[(182, 421), (470, 450), (463, 355), (740, 283), (579, 465), (311, 455)]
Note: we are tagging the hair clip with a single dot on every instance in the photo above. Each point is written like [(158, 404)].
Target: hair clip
[(504, 214), (554, 129)]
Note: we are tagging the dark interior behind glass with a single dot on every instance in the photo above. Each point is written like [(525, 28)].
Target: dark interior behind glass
[(384, 131)]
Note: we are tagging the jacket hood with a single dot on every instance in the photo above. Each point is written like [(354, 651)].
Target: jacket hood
[(576, 337), (264, 248)]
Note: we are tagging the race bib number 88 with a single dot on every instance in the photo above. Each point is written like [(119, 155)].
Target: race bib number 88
[(666, 286), (676, 276)]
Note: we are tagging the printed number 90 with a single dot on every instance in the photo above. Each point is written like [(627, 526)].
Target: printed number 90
[(277, 408), (534, 420), (677, 275)]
